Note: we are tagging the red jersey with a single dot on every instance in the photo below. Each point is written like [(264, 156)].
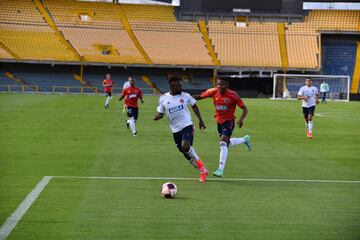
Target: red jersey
[(225, 104), (109, 84), (132, 95)]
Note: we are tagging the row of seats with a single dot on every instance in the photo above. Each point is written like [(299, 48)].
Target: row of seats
[(254, 45), (20, 11), (87, 40), (163, 39), (34, 42)]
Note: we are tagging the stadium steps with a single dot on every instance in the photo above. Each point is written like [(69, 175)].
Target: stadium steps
[(209, 46), (53, 26), (9, 51), (282, 42), (131, 34), (148, 81), (356, 75), (20, 81), (85, 83)]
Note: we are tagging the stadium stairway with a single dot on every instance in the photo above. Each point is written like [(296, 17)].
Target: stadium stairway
[(209, 46), (356, 75), (282, 42), (148, 81), (46, 15), (85, 83), (9, 51), (131, 34), (20, 81)]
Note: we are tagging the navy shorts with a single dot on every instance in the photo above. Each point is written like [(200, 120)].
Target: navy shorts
[(132, 112), (186, 134), (226, 128), (309, 110), (108, 94)]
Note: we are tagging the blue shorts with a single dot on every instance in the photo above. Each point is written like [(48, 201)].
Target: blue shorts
[(132, 112), (226, 128), (309, 110), (186, 134)]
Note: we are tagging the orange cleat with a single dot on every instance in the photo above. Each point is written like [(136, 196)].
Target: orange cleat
[(203, 175)]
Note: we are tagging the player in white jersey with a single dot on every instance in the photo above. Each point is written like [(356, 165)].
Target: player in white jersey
[(310, 97), (174, 105), (126, 85)]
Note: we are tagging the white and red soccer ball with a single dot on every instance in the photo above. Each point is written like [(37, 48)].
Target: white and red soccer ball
[(168, 190)]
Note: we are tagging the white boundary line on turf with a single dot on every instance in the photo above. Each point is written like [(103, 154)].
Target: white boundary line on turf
[(15, 217), (215, 179), (24, 206)]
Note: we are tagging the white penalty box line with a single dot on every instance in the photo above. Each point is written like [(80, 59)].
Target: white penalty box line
[(24, 206)]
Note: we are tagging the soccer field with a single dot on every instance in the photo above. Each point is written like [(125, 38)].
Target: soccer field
[(105, 184)]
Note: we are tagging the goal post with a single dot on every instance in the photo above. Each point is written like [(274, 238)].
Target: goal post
[(286, 86)]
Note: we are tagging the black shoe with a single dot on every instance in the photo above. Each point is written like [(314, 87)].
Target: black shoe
[(107, 106), (135, 134), (127, 124)]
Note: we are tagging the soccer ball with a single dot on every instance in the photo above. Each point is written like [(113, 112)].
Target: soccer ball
[(168, 190)]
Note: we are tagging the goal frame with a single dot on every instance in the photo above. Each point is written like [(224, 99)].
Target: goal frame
[(309, 75)]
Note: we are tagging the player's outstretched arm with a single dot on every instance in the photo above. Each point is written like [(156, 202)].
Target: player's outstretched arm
[(196, 110), (121, 97), (158, 116), (197, 97), (240, 122)]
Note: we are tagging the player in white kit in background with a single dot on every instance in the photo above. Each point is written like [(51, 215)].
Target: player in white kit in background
[(310, 97), (174, 104)]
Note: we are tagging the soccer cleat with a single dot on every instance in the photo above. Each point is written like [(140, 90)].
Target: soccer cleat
[(218, 173), (309, 134), (247, 142), (107, 106), (203, 175), (135, 134)]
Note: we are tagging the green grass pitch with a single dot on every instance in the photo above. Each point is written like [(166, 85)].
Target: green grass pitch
[(73, 135)]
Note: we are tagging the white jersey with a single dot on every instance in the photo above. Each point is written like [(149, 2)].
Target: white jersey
[(126, 84), (176, 109), (310, 92), (324, 87)]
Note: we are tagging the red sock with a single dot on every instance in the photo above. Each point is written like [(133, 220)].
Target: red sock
[(200, 165)]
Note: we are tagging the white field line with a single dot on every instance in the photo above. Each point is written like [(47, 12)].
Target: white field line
[(15, 217), (215, 179)]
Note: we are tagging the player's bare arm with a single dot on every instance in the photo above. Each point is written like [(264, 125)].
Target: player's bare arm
[(302, 97), (317, 99), (240, 122), (121, 97), (196, 110), (141, 99), (158, 116), (197, 97)]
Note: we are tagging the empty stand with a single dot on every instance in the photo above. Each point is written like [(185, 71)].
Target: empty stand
[(86, 40), (255, 45)]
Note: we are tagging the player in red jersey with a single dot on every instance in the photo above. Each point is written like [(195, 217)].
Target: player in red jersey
[(225, 102), (131, 95), (107, 84)]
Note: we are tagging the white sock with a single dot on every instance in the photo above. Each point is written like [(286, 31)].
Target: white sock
[(193, 154), (223, 155), (132, 125), (310, 126), (236, 141), (107, 101)]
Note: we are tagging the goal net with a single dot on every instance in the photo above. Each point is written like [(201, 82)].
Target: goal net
[(286, 86)]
